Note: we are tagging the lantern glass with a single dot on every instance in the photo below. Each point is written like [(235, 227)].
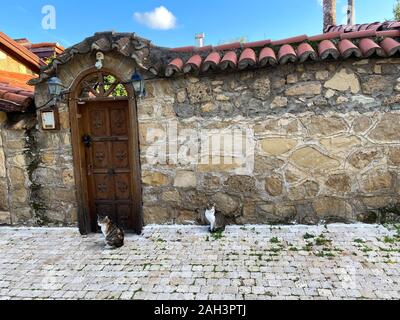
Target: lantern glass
[(138, 84), (55, 86)]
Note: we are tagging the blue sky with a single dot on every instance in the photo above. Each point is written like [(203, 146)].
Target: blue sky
[(177, 21)]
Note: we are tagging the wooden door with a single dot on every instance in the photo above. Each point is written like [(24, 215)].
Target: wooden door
[(111, 186)]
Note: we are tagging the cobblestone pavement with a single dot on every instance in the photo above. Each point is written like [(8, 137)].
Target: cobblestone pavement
[(260, 262)]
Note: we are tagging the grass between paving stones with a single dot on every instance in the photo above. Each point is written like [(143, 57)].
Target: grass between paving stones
[(308, 236), (314, 244), (322, 241), (217, 235), (275, 240), (362, 246), (391, 242), (359, 241), (253, 230)]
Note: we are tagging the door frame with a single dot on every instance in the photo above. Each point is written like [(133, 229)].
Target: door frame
[(79, 163)]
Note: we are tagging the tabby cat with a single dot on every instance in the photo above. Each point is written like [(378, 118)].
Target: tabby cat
[(215, 218), (114, 236)]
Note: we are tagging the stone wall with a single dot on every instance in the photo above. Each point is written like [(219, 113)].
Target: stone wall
[(54, 174), (324, 137), (4, 205), (15, 184), (33, 178)]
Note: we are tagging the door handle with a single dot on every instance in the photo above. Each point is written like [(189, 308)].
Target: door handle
[(87, 140), (111, 172)]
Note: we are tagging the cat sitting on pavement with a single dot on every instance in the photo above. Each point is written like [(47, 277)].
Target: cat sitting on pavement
[(114, 236), (215, 218)]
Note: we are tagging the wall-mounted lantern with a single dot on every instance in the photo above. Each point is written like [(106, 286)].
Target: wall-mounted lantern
[(138, 85), (55, 87)]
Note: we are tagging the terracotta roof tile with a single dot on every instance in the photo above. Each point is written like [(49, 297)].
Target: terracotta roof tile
[(17, 80), (268, 57), (15, 95), (193, 65), (175, 66), (388, 33), (289, 40), (248, 58), (212, 61), (358, 34), (204, 49), (339, 42), (368, 47), (183, 49), (348, 48), (390, 46), (325, 36), (257, 44), (229, 46), (328, 50), (394, 24), (229, 60), (286, 54), (360, 27), (306, 52)]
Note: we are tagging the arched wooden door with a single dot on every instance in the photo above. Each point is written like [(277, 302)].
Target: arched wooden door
[(108, 153)]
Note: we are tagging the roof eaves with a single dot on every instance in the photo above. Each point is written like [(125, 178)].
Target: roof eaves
[(21, 53)]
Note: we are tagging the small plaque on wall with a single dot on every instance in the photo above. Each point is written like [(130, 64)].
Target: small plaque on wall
[(50, 119)]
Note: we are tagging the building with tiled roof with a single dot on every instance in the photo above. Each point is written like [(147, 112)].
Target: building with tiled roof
[(44, 50), (18, 65)]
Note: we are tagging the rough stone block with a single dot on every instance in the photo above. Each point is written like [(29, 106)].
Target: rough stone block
[(305, 89), (185, 179), (344, 80), (155, 179), (312, 159), (278, 146), (5, 218)]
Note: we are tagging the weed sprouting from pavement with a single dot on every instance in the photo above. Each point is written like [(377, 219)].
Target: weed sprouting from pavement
[(217, 235), (275, 240), (308, 236)]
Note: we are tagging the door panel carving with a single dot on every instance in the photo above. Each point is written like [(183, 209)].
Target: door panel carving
[(100, 155), (120, 155), (118, 123)]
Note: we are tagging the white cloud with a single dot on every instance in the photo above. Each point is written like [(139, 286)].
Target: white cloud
[(160, 18)]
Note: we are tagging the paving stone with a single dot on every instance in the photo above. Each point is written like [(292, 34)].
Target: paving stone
[(59, 264)]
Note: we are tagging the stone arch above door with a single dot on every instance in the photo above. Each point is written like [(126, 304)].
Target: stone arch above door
[(123, 54)]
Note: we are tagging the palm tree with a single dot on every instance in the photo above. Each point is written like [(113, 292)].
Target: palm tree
[(396, 10), (329, 7), (350, 12)]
